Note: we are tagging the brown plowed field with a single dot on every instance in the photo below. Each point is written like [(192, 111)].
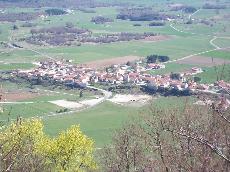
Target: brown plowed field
[(114, 61), (203, 61), (17, 96), (157, 38)]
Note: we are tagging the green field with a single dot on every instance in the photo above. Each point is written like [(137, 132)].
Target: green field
[(212, 74), (98, 122), (219, 54), (172, 67), (223, 42), (175, 48), (28, 110), (14, 66)]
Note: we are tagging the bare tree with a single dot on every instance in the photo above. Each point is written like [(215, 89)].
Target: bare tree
[(192, 138)]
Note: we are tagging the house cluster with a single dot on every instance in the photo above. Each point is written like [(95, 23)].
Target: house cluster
[(67, 73), (79, 75), (153, 66), (58, 71)]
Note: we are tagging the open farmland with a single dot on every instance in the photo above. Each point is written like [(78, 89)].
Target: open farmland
[(190, 40), (204, 61)]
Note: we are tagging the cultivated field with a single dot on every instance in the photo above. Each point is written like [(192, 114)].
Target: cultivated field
[(204, 61)]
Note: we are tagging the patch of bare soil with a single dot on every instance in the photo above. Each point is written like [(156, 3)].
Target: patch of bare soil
[(67, 104), (17, 96), (203, 61), (130, 100), (114, 61), (157, 38)]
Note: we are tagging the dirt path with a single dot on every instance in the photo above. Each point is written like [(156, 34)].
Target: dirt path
[(86, 104), (193, 14), (181, 31), (90, 103), (213, 44), (204, 61), (37, 52), (196, 54)]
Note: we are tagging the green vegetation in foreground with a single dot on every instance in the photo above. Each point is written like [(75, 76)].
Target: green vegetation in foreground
[(100, 122), (30, 149), (210, 74)]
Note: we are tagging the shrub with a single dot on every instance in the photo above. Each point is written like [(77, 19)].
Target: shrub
[(55, 11), (156, 24)]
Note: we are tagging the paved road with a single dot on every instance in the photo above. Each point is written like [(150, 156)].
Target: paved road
[(107, 95), (196, 54), (37, 52), (211, 42)]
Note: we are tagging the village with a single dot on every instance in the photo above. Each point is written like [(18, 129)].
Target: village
[(135, 73)]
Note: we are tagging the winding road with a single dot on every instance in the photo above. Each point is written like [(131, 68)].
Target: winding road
[(93, 102), (189, 17), (107, 95), (211, 42)]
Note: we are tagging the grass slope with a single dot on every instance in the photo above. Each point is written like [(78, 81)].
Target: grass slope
[(98, 122)]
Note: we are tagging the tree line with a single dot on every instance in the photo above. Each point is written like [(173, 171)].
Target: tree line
[(156, 24), (13, 17), (184, 8), (154, 58), (55, 11), (214, 6), (141, 14), (101, 20), (53, 3), (68, 35)]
